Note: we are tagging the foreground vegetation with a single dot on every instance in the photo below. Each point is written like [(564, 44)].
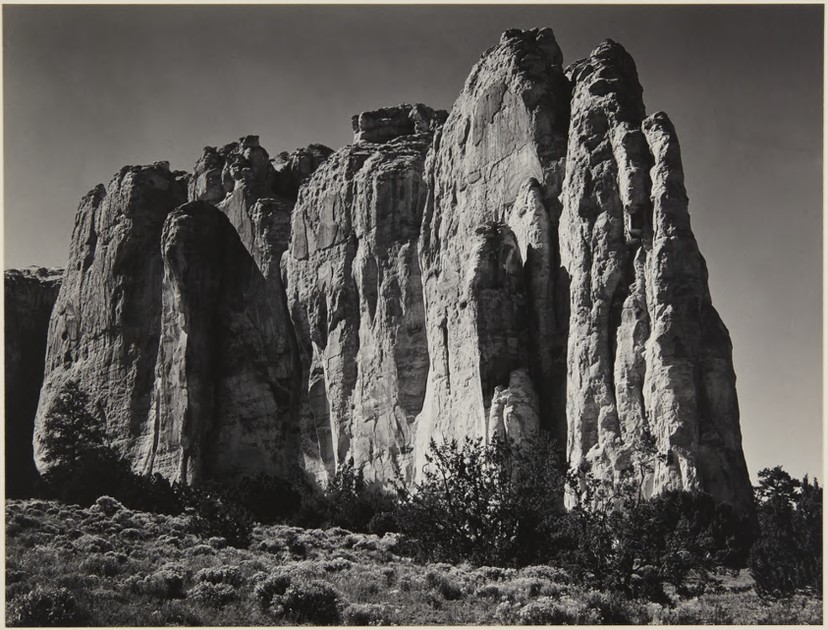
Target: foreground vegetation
[(483, 537), (108, 565)]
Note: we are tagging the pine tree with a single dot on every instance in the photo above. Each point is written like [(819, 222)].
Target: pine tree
[(71, 431)]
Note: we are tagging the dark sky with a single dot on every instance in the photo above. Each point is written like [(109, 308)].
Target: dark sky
[(88, 89)]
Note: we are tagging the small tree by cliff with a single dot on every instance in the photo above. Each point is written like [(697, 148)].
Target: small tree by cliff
[(71, 432), (82, 465)]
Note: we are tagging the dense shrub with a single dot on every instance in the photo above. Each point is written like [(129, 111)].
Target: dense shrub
[(269, 587), (163, 584), (486, 503), (46, 606), (616, 539), (220, 575), (217, 515), (269, 499), (368, 615), (314, 602), (788, 554), (212, 594)]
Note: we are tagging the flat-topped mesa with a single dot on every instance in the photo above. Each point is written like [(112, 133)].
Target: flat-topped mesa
[(388, 123), (30, 295), (496, 168), (355, 296)]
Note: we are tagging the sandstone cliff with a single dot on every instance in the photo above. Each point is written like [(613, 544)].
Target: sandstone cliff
[(522, 263), (495, 299), (222, 398), (355, 293), (648, 358), (30, 295), (105, 326)]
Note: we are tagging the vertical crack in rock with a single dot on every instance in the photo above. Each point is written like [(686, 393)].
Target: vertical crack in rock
[(354, 248), (499, 159)]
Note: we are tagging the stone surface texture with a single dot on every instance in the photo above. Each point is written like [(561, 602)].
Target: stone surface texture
[(522, 263), (355, 294), (488, 247), (30, 295), (650, 377), (105, 326), (222, 400)]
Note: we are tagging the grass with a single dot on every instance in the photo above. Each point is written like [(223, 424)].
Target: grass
[(110, 566)]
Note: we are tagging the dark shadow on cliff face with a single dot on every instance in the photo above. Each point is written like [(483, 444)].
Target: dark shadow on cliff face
[(29, 298)]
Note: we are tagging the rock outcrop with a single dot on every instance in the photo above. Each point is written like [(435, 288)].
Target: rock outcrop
[(650, 375), (223, 400), (105, 326), (30, 295), (355, 295), (495, 297), (523, 263)]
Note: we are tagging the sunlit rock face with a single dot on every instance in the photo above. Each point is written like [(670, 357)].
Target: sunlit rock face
[(30, 295), (522, 263), (495, 294), (355, 294), (105, 326), (650, 375)]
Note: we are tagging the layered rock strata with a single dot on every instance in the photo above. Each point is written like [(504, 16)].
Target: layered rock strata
[(30, 295)]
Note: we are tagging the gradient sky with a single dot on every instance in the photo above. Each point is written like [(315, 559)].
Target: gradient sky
[(88, 89)]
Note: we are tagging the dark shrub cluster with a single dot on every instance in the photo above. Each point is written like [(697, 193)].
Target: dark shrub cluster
[(788, 555), (52, 607), (500, 504), (486, 503)]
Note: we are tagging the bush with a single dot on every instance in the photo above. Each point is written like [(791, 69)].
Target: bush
[(617, 540), (368, 615), (46, 607), (270, 586), (164, 584), (788, 554), (220, 575), (216, 515), (485, 503), (269, 499), (213, 594), (313, 602)]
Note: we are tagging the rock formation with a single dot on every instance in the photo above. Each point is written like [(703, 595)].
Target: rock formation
[(648, 358), (105, 325), (522, 263), (355, 293), (222, 403), (489, 251), (30, 295)]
